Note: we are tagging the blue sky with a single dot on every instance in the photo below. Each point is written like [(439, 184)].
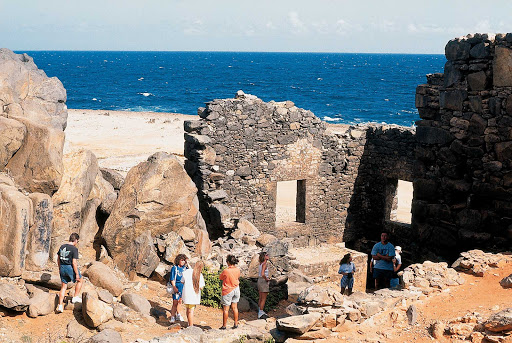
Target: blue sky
[(394, 26)]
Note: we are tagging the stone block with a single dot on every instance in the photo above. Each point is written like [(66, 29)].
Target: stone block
[(433, 135), (457, 49), (480, 50), (502, 67), (478, 81), (452, 100)]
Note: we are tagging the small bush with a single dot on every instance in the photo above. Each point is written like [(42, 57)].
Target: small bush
[(250, 291), (212, 291)]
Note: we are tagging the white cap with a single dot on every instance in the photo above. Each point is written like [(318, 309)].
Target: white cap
[(398, 248)]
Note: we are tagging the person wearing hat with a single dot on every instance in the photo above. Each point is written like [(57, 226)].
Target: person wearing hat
[(397, 264)]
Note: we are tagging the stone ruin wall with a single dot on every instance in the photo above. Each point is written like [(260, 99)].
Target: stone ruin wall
[(463, 173), (242, 147)]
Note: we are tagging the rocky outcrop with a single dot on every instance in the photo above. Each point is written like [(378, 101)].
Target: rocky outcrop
[(430, 275), (157, 195), (136, 302), (102, 276), (12, 133), (501, 321), (477, 262)]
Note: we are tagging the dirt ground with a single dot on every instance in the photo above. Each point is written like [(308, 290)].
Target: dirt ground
[(479, 294)]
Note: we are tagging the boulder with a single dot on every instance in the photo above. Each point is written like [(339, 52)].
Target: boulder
[(187, 234), (105, 296), (95, 312), (12, 133), (244, 305), (104, 192), (37, 165), (276, 248), (113, 177), (506, 282), (298, 324), (38, 240), (266, 239), (158, 196), (106, 336), (136, 302), (144, 259), (80, 171), (45, 279), (203, 245), (245, 228), (89, 225), (171, 245), (319, 296), (77, 331), (15, 221), (102, 276), (13, 297), (501, 321), (42, 303)]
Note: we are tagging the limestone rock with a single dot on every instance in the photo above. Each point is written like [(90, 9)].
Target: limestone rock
[(187, 234), (158, 196), (501, 321), (12, 133), (113, 177), (106, 336), (45, 279), (277, 248), (42, 303), (38, 241), (171, 245), (319, 296), (203, 246), (102, 276), (298, 324), (15, 221), (105, 296), (95, 311), (105, 192), (37, 165), (13, 297), (266, 239), (506, 282), (245, 228), (136, 302), (113, 325), (80, 170), (244, 305)]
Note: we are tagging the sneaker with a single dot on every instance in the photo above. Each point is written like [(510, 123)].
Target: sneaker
[(76, 300), (179, 317), (173, 319), (235, 326), (60, 308), (222, 328)]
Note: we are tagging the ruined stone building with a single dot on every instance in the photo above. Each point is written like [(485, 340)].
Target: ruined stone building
[(458, 159)]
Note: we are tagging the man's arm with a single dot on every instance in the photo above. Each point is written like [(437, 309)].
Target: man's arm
[(384, 257), (75, 268)]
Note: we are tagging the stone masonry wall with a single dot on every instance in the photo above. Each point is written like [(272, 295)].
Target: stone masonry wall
[(242, 147), (463, 173)]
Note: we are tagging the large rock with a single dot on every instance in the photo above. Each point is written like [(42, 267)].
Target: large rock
[(158, 196), (143, 259), (102, 276), (136, 302), (45, 279), (298, 324), (89, 225), (319, 296), (171, 245), (95, 311), (501, 321), (12, 133), (15, 221), (106, 336), (502, 67), (13, 297), (113, 177), (80, 171), (506, 282), (38, 242), (105, 192), (37, 165), (41, 303)]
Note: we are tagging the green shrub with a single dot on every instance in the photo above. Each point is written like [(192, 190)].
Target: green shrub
[(249, 290), (212, 291)]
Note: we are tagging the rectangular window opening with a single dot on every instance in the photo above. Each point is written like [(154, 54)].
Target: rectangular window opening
[(291, 202), (402, 202)]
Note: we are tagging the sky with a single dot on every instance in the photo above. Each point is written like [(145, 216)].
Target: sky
[(364, 26)]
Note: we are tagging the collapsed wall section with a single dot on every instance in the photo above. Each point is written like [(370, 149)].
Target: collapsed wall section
[(463, 174)]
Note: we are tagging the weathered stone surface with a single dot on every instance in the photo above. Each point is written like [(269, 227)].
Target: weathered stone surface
[(298, 324), (89, 225), (45, 279), (480, 50), (203, 246), (502, 67), (171, 245), (136, 302), (12, 133), (42, 303), (106, 336), (113, 177), (277, 248), (501, 321), (433, 135), (266, 239), (506, 282), (142, 256), (102, 276), (105, 296), (14, 298), (104, 192), (247, 228), (38, 241), (457, 49), (504, 151), (319, 296), (95, 312), (80, 170), (158, 196), (477, 81), (77, 331), (15, 221), (452, 100)]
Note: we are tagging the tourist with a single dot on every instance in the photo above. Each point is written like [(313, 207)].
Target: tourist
[(263, 284), (175, 278), (193, 283), (67, 259), (383, 253), (230, 291), (397, 264), (372, 264), (347, 269)]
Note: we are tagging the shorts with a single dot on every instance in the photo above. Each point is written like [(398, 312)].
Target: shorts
[(263, 285), (177, 296), (190, 306), (231, 297), (382, 274), (346, 282), (67, 274)]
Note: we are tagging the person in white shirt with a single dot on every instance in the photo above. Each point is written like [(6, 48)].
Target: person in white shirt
[(193, 283)]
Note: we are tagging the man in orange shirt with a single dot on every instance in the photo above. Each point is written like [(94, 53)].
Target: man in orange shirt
[(230, 291)]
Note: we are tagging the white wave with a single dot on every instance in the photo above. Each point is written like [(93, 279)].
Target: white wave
[(146, 94), (319, 78), (160, 67), (386, 99), (94, 99), (140, 79), (326, 118)]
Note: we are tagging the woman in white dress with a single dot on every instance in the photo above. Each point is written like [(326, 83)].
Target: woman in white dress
[(193, 283)]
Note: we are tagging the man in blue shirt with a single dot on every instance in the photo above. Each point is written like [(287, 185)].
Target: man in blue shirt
[(383, 253)]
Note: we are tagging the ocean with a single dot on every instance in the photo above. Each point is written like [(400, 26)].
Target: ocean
[(338, 88)]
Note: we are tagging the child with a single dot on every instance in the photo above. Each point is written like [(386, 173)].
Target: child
[(263, 284), (397, 264), (193, 283), (180, 265), (347, 269), (67, 259), (230, 291)]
